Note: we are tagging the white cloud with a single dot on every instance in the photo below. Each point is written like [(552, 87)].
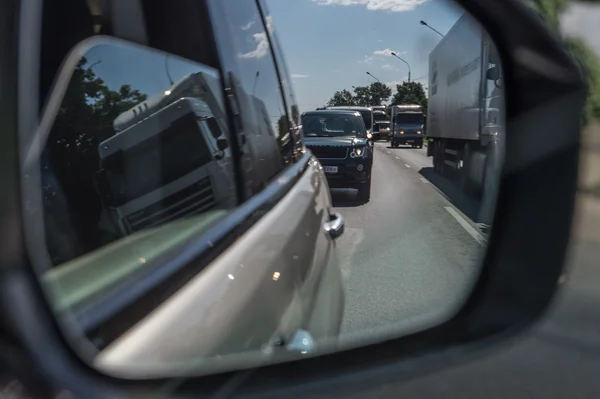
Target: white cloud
[(262, 42), (299, 76), (367, 60), (249, 25), (386, 5), (388, 67), (388, 52)]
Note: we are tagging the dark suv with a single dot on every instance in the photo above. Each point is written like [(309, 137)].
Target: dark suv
[(339, 140)]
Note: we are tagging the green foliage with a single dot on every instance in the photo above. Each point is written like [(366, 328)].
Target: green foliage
[(343, 97), (410, 93), (87, 112), (375, 94), (590, 66), (551, 10)]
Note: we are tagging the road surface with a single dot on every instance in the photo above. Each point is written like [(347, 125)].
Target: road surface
[(558, 358), (411, 254)]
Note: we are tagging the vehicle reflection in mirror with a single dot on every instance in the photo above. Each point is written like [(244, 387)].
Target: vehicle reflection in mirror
[(179, 134), (466, 113)]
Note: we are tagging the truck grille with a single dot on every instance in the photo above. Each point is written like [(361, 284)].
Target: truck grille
[(329, 152), (192, 200)]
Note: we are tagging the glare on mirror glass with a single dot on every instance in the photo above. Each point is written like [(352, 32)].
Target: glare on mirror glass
[(145, 161)]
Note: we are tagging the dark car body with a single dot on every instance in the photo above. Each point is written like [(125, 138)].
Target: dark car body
[(346, 157), (381, 130)]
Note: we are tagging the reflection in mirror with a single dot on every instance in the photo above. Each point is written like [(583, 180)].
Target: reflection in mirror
[(135, 166), (143, 156), (426, 80)]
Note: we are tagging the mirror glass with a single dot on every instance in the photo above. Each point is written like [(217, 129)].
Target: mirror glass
[(139, 164)]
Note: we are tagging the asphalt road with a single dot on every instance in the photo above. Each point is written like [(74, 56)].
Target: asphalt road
[(557, 358), (411, 254)]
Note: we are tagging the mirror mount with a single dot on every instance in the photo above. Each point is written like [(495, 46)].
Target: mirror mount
[(493, 73)]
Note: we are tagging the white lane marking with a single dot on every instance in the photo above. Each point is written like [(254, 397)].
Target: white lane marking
[(461, 220), (407, 165), (424, 180), (397, 157), (389, 152)]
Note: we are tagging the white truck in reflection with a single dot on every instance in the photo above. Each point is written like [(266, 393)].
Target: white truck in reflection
[(466, 115), (169, 159)]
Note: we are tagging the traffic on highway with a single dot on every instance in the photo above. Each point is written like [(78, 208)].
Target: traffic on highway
[(197, 216)]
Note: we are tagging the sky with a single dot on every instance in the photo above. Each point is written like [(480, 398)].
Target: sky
[(329, 45), (581, 20)]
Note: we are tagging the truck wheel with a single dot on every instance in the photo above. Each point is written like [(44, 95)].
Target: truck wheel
[(364, 191), (420, 145)]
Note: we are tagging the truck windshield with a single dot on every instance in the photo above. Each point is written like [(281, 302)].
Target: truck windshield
[(410, 118), (179, 149), (379, 116), (331, 125)]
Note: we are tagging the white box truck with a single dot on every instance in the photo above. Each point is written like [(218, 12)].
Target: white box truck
[(466, 110)]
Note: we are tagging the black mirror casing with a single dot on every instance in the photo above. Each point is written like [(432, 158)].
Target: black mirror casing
[(534, 212), (493, 73)]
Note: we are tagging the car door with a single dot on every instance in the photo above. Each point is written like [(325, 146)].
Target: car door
[(249, 31), (255, 272)]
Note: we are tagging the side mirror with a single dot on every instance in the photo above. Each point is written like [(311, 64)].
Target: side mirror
[(215, 129), (493, 73), (222, 144)]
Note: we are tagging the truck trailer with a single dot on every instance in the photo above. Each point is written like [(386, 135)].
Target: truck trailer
[(466, 110)]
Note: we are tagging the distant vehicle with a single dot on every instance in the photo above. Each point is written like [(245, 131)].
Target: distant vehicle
[(379, 116), (365, 112), (338, 138), (465, 116), (384, 130), (408, 124), (378, 108)]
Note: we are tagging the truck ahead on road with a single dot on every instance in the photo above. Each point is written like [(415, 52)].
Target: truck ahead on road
[(465, 115), (408, 123)]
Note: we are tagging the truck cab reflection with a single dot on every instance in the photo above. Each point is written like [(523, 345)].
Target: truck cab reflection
[(163, 167)]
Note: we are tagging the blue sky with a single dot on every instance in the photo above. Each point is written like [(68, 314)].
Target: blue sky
[(331, 44)]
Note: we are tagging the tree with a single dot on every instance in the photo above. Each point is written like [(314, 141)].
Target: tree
[(84, 120), (374, 94), (410, 93), (550, 11), (343, 97), (590, 67)]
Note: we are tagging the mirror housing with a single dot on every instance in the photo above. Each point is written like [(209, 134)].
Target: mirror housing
[(493, 73), (222, 144)]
